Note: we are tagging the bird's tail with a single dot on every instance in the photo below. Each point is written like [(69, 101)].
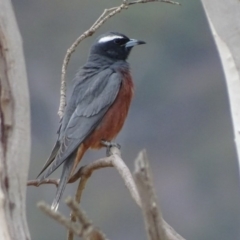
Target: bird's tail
[(66, 172), (51, 158)]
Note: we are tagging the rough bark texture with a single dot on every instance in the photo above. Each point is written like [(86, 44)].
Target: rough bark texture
[(224, 20), (14, 128)]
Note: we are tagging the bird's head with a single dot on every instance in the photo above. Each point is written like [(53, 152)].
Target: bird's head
[(114, 45)]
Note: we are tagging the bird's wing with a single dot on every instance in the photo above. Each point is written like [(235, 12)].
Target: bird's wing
[(51, 157), (53, 153), (91, 105)]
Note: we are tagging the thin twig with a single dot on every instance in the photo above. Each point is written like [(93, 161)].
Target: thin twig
[(107, 13), (36, 182), (81, 186), (88, 169), (147, 1)]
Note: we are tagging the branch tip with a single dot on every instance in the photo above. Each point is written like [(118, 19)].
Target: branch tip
[(141, 161)]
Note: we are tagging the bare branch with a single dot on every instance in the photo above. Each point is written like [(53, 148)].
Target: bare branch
[(126, 175), (117, 162), (36, 182), (114, 160), (151, 213), (107, 13), (85, 172), (89, 232), (147, 1), (83, 228), (82, 218), (59, 218), (157, 228)]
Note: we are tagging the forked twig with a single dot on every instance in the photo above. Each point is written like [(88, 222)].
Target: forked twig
[(82, 228)]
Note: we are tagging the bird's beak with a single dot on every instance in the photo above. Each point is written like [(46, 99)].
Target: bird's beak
[(133, 42)]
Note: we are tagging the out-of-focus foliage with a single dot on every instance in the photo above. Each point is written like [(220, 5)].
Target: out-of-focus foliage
[(180, 114)]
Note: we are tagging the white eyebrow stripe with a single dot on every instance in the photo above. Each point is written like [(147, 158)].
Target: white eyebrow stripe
[(109, 38)]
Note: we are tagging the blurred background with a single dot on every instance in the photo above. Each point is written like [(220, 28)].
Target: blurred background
[(180, 114)]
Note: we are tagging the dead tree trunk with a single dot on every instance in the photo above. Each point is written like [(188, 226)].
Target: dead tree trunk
[(224, 21), (14, 128)]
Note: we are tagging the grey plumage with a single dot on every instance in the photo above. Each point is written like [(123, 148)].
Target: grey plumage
[(85, 110)]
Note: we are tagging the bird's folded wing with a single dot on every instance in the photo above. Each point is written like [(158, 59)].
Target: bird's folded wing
[(91, 106)]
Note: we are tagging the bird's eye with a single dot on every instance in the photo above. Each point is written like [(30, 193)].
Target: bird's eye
[(118, 41)]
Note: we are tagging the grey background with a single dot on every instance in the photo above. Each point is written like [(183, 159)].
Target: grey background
[(180, 114)]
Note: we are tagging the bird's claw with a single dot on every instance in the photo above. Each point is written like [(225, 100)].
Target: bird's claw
[(109, 145)]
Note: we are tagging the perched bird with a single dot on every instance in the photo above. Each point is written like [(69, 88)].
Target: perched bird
[(97, 108)]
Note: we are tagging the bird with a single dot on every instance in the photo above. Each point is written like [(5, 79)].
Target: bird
[(97, 108)]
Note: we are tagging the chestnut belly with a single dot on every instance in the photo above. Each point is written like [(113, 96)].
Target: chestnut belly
[(114, 119)]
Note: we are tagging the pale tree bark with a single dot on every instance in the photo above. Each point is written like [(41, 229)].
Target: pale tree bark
[(14, 128), (224, 20)]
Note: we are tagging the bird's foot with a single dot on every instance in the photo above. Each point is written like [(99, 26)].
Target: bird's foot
[(109, 145)]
